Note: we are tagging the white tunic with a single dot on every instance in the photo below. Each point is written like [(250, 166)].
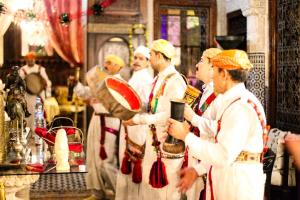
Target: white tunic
[(199, 166), (127, 190), (240, 131), (100, 172), (174, 88), (31, 99)]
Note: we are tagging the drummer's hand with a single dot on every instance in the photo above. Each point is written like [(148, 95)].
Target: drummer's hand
[(292, 142), (72, 80), (177, 129), (93, 100), (187, 178), (188, 113), (129, 122)]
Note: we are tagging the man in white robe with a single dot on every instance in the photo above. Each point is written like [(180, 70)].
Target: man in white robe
[(236, 170), (27, 69), (102, 171), (191, 178), (167, 85), (127, 187)]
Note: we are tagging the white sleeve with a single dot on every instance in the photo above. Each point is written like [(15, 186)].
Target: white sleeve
[(142, 86), (207, 124), (82, 91), (174, 89), (45, 76), (48, 82), (235, 126), (200, 168)]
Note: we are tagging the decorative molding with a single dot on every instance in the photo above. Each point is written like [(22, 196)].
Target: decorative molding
[(253, 7), (18, 180), (109, 28), (248, 7)]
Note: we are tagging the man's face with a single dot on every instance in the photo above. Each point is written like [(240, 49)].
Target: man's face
[(30, 62), (111, 68), (154, 60), (139, 62), (219, 80), (204, 70)]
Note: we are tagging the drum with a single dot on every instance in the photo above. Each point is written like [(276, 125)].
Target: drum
[(35, 83), (94, 77), (191, 94), (171, 144), (120, 100)]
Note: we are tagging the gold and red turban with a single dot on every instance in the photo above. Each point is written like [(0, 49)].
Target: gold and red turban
[(232, 60), (31, 55), (115, 60), (211, 52)]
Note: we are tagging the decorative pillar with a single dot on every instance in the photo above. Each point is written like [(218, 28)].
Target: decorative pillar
[(256, 12)]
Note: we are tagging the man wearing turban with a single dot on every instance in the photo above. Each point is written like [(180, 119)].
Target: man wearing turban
[(101, 145), (130, 173), (191, 177), (159, 170), (236, 170), (30, 68)]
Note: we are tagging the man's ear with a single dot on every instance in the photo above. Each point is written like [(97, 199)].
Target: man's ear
[(160, 56), (225, 74)]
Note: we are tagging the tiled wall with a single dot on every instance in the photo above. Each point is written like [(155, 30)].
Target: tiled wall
[(256, 79)]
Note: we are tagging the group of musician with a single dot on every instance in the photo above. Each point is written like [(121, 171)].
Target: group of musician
[(224, 132)]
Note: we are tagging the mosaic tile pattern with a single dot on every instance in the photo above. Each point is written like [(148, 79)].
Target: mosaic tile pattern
[(256, 79), (59, 185)]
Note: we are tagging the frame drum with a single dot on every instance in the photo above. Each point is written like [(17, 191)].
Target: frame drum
[(119, 98), (35, 83)]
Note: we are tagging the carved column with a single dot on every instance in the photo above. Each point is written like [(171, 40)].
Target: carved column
[(256, 12)]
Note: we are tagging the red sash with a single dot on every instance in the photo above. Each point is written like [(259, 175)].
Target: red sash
[(202, 109), (102, 152)]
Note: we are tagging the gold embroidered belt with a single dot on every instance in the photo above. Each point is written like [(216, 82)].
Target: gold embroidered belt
[(248, 156)]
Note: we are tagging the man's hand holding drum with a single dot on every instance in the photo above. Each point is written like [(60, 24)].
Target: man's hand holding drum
[(178, 130)]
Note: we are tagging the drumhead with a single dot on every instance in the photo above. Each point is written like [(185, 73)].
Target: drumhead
[(35, 83)]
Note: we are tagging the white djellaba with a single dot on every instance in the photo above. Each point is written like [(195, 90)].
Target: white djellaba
[(61, 149)]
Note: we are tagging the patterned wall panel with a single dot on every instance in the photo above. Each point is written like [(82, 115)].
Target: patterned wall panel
[(288, 65), (256, 79)]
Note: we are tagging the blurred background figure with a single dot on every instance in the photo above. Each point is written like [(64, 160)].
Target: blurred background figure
[(37, 84)]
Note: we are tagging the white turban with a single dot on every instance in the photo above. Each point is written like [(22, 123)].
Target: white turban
[(143, 50)]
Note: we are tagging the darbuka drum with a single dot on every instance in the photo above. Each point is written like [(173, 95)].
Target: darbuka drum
[(35, 83), (191, 94), (171, 144), (118, 98)]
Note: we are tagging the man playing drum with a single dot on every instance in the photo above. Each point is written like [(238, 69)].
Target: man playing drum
[(102, 134), (37, 84), (133, 138), (235, 155), (167, 85)]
